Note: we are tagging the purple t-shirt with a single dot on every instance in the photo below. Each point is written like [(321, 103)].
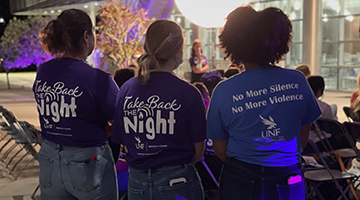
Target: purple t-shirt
[(159, 121), (194, 60), (74, 102)]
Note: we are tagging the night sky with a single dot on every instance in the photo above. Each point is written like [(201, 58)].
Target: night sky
[(4, 13)]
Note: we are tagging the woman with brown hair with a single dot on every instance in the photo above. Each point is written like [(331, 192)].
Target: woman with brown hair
[(75, 102), (198, 62)]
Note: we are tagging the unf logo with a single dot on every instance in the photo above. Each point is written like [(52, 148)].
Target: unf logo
[(271, 130), (139, 145)]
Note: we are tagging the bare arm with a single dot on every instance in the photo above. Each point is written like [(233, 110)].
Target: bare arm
[(304, 132), (199, 71), (220, 147), (199, 151)]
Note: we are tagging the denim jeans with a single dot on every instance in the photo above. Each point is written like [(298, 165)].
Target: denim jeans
[(180, 182), (240, 180), (76, 173)]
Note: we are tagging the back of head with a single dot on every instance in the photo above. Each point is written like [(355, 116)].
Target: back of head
[(358, 82), (204, 92), (259, 37), (316, 83), (231, 72), (65, 32), (304, 69), (164, 39), (123, 75), (211, 79)]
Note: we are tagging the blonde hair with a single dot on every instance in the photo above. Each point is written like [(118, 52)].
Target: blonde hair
[(164, 39), (356, 103), (304, 69)]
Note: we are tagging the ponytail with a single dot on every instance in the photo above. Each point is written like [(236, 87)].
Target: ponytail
[(146, 62), (160, 46)]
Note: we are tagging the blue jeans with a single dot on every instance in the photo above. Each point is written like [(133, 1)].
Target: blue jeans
[(241, 180), (76, 173), (180, 182)]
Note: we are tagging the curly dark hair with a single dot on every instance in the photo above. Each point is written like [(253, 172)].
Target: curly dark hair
[(261, 37)]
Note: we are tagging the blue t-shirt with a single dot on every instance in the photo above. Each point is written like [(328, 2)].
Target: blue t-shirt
[(74, 102), (159, 121), (260, 112)]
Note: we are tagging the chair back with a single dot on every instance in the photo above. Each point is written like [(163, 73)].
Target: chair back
[(19, 130), (353, 128), (338, 132), (347, 111)]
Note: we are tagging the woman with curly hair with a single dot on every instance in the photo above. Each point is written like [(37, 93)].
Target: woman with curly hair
[(260, 119)]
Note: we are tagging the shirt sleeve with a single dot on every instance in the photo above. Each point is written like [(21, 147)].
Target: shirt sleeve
[(198, 118), (215, 128), (191, 61), (107, 93), (313, 110), (326, 111), (205, 60), (118, 125)]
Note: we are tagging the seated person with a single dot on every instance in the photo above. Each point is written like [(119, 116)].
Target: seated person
[(211, 79), (204, 93), (317, 85), (355, 102), (304, 69), (231, 72)]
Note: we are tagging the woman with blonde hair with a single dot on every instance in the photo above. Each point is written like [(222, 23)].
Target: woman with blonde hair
[(162, 127), (355, 102)]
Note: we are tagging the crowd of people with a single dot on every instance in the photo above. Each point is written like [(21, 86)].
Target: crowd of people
[(258, 115)]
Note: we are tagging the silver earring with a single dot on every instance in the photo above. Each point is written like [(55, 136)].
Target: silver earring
[(87, 45)]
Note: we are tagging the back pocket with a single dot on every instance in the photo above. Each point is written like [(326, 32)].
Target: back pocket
[(46, 169), (135, 194), (86, 176), (294, 192), (231, 183), (183, 190)]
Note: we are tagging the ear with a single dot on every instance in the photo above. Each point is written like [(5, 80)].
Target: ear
[(86, 37)]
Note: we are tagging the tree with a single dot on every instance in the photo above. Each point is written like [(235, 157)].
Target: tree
[(21, 45), (120, 32)]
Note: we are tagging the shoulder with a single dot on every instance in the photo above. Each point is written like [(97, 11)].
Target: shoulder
[(323, 104), (182, 86), (48, 63), (132, 81), (290, 74)]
